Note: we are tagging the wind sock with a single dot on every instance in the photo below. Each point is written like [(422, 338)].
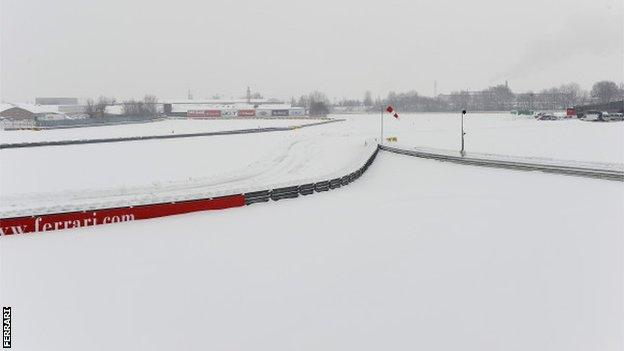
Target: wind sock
[(391, 111)]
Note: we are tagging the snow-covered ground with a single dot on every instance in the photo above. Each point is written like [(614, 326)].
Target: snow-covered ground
[(498, 133), (122, 174), (416, 254), (161, 127), (36, 178), (504, 134)]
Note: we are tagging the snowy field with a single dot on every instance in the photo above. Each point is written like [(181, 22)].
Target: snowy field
[(416, 254), (163, 127), (144, 171), (43, 177), (502, 133)]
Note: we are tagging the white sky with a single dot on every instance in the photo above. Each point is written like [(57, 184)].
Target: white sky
[(286, 48)]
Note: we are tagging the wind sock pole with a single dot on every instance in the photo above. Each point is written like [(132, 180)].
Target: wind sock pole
[(462, 133), (381, 126)]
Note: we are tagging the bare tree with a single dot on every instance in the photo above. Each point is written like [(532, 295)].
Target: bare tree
[(98, 108), (144, 108), (90, 108), (150, 103), (319, 104), (368, 99), (605, 91)]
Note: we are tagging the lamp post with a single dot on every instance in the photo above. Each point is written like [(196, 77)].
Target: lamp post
[(463, 152)]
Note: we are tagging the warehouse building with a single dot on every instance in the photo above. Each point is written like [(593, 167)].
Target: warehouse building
[(25, 116), (15, 113), (56, 101), (232, 109)]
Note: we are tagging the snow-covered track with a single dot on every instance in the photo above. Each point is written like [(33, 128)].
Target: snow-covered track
[(164, 136), (107, 214), (589, 172)]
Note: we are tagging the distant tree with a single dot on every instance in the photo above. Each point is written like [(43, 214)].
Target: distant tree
[(97, 108), (605, 91), (349, 103), (90, 107), (368, 99), (498, 98), (524, 101), (460, 100), (319, 104), (571, 94), (304, 101), (145, 108), (150, 105)]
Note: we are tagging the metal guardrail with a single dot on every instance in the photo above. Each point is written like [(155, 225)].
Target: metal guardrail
[(166, 136), (524, 166)]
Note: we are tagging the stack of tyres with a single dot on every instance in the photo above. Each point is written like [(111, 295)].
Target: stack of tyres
[(321, 186), (345, 180), (306, 189), (335, 183), (257, 196), (309, 188), (285, 193)]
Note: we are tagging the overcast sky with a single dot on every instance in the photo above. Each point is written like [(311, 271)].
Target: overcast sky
[(284, 48)]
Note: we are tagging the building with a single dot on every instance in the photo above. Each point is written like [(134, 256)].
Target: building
[(15, 117), (27, 116), (231, 109), (56, 101), (16, 113), (610, 107), (175, 107)]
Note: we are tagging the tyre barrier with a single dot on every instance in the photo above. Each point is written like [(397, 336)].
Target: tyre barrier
[(78, 219), (309, 188)]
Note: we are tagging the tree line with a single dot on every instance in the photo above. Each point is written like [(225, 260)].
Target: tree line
[(495, 98), (139, 108)]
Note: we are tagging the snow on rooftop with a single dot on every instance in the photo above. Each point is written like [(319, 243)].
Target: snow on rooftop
[(219, 101), (236, 106), (31, 107), (5, 106)]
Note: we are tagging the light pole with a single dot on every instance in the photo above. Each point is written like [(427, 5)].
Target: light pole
[(463, 152)]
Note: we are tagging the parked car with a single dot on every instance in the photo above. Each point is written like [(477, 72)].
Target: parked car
[(617, 116), (593, 115), (542, 116)]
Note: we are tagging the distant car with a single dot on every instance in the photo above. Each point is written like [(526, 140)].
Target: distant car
[(546, 117), (617, 116), (594, 116)]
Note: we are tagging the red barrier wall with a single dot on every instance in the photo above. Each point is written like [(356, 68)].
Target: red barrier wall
[(48, 222), (203, 113), (246, 113)]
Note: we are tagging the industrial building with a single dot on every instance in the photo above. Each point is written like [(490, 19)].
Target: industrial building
[(25, 116), (56, 101), (231, 108)]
